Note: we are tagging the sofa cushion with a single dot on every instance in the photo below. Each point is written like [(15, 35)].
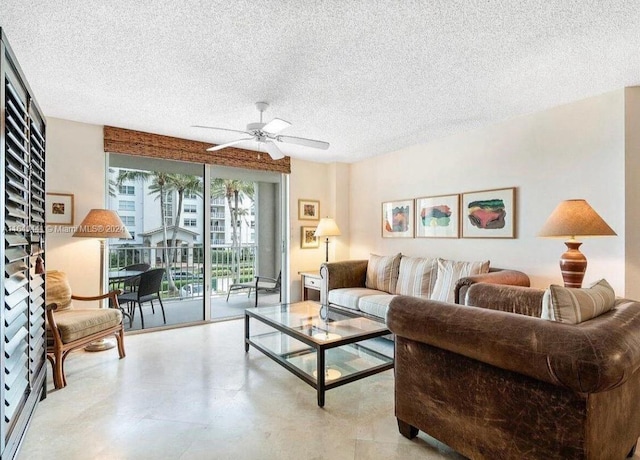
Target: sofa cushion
[(382, 272), (575, 305), (75, 324), (58, 290), (376, 305), (350, 297), (449, 272), (417, 276)]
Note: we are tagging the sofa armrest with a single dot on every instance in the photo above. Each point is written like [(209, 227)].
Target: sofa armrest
[(344, 274), (512, 299), (495, 276), (593, 356)]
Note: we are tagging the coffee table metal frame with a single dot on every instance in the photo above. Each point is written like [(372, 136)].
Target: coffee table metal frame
[(321, 346)]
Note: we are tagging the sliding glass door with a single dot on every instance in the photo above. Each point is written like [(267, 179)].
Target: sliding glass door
[(212, 230), (246, 240), (161, 203)]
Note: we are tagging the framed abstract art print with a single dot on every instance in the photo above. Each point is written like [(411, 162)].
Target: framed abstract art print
[(489, 214), (397, 219), (438, 216)]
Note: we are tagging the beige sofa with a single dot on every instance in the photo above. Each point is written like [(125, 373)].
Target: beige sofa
[(367, 287)]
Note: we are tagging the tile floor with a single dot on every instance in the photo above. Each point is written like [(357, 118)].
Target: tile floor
[(193, 393)]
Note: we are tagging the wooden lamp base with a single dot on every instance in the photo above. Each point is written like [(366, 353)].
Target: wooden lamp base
[(573, 265)]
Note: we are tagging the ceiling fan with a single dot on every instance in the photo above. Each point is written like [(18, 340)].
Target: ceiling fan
[(266, 134)]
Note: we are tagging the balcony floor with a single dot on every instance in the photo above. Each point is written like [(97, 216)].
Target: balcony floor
[(188, 310)]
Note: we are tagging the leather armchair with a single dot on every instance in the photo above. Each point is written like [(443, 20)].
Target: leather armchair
[(493, 382)]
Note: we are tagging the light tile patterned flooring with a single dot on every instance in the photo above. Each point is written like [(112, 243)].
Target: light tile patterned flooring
[(193, 393)]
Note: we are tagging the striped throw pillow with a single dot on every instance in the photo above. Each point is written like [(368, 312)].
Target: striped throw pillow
[(417, 276), (449, 272), (575, 305), (382, 272)]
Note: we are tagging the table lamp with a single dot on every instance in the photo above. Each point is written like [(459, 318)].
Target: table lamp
[(327, 227), (102, 224), (573, 218)]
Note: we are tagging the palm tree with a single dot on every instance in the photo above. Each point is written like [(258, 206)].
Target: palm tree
[(183, 184), (160, 186), (234, 191), (112, 183)]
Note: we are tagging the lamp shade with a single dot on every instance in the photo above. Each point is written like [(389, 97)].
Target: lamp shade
[(327, 227), (573, 218), (102, 223)]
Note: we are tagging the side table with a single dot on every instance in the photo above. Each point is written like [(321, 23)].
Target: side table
[(311, 284)]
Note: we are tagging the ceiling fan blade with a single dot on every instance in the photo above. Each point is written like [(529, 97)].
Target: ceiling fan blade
[(228, 144), (302, 141), (221, 129), (273, 150), (275, 126)]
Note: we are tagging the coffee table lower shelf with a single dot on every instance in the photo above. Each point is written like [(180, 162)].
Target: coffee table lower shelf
[(323, 366)]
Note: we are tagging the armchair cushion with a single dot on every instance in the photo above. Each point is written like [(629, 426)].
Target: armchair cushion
[(58, 290), (449, 272), (75, 324), (382, 272), (575, 305)]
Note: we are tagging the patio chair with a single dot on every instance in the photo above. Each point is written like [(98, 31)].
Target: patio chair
[(131, 284), (149, 288), (123, 278), (261, 283)]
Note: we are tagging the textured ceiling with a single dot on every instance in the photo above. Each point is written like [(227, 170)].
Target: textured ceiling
[(367, 76)]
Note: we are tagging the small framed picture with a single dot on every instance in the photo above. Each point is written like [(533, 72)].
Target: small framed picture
[(489, 214), (308, 210), (308, 238), (397, 219), (438, 216), (59, 209)]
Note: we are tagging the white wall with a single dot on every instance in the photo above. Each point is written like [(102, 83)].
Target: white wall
[(75, 164), (572, 151), (309, 181), (632, 202), (338, 181)]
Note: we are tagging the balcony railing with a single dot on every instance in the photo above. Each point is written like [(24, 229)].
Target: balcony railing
[(229, 264)]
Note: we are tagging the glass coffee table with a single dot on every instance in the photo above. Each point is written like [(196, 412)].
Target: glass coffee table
[(326, 353)]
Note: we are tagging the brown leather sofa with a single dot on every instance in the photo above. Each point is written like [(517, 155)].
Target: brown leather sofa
[(497, 382)]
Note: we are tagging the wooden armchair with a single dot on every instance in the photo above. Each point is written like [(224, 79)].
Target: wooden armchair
[(69, 328)]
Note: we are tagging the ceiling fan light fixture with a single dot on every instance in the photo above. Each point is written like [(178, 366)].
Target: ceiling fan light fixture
[(267, 133)]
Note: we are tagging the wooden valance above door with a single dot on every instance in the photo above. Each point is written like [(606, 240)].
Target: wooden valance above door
[(129, 142)]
